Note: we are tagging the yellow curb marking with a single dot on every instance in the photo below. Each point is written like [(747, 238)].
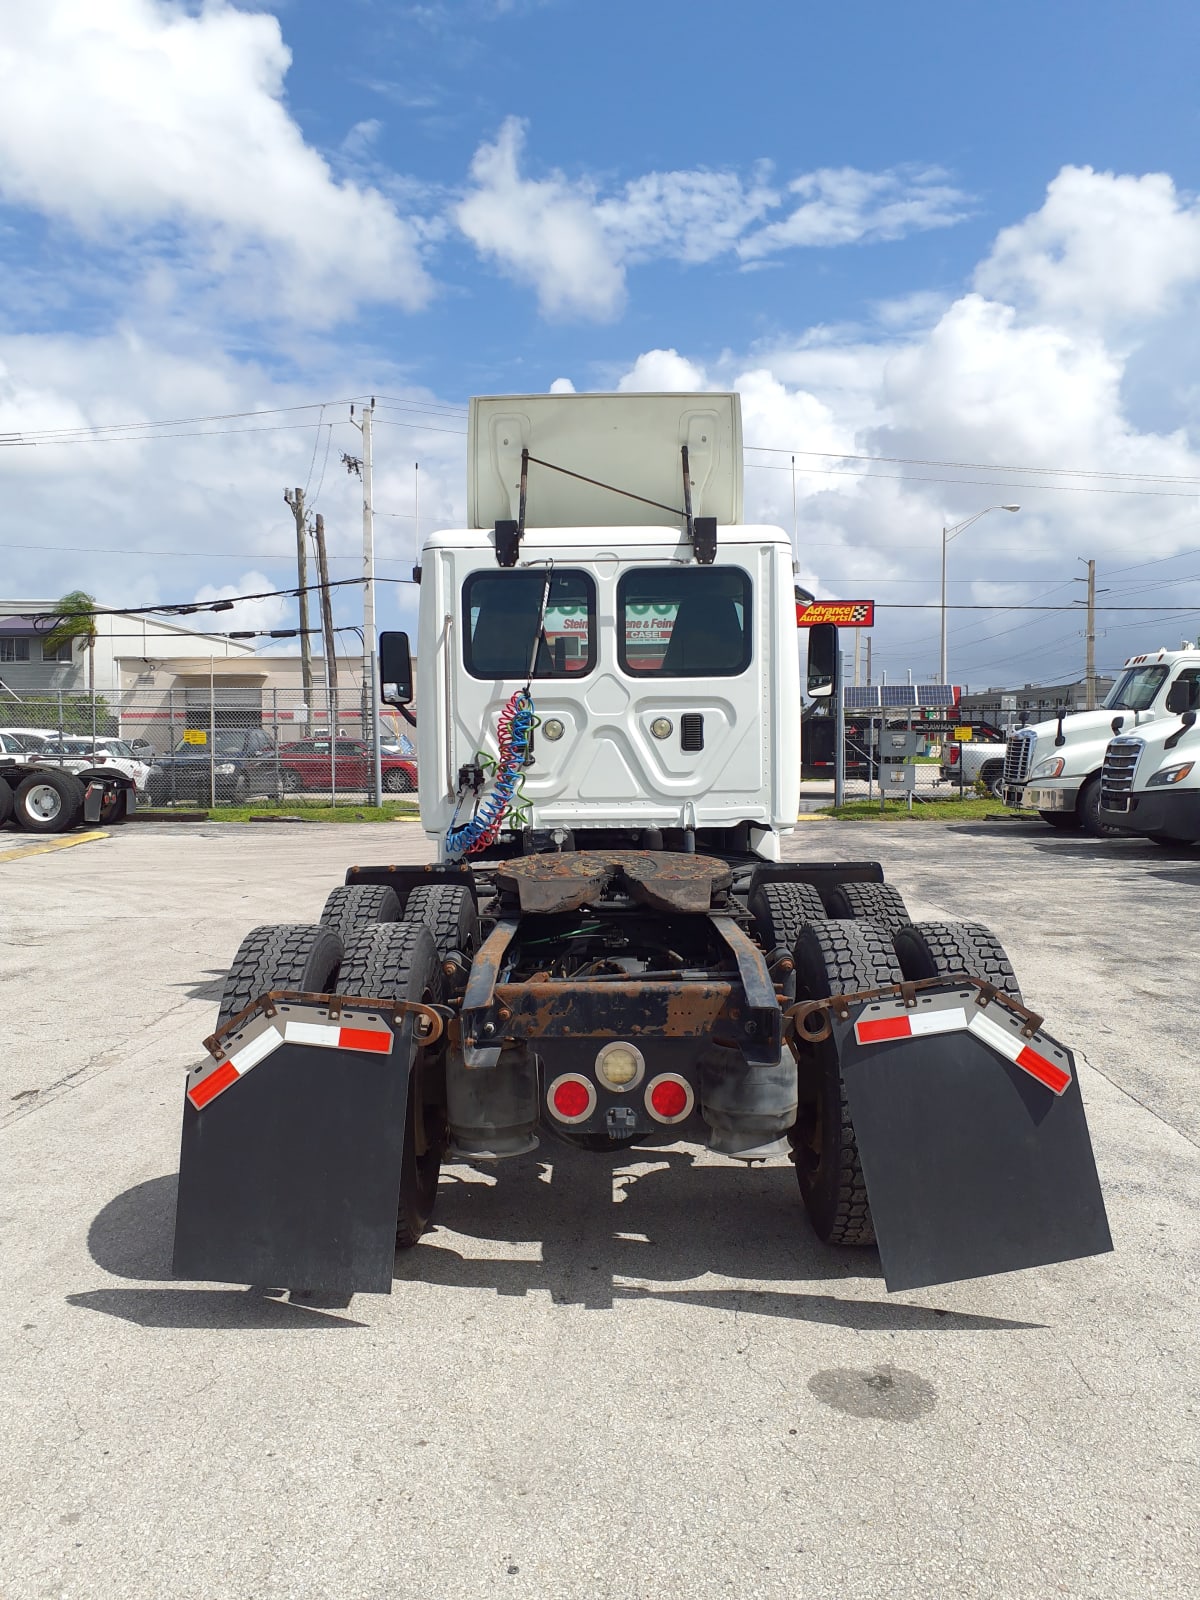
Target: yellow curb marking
[(50, 844)]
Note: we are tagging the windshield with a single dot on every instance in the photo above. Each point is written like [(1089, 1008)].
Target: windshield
[(1134, 690)]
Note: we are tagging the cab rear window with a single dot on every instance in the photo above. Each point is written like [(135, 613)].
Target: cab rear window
[(505, 629), (684, 622)]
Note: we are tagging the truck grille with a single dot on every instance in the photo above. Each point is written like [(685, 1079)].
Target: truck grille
[(1017, 755), (1119, 770)]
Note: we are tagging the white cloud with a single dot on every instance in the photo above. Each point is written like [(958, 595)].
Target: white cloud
[(1103, 247), (142, 115), (573, 244), (845, 206), (544, 232)]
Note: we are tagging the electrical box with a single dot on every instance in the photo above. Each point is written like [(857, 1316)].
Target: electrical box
[(898, 777), (896, 744)]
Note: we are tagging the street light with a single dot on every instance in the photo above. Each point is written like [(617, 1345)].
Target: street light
[(947, 535)]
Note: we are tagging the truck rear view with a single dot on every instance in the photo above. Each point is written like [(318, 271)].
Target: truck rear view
[(610, 948)]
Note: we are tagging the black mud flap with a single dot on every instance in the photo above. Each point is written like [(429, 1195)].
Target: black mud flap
[(289, 1175), (973, 1163)]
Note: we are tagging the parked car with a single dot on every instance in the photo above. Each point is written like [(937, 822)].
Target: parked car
[(344, 764), (13, 748), (79, 754), (241, 762)]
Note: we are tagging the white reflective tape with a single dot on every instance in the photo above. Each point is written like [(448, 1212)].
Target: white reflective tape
[(325, 1034), (937, 1021), (253, 1052), (998, 1038)]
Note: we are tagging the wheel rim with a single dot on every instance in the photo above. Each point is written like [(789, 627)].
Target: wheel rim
[(393, 781), (43, 802)]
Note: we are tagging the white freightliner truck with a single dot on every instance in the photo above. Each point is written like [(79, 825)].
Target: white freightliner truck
[(610, 947), (1054, 767), (1150, 782)]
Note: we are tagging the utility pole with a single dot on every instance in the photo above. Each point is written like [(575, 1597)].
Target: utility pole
[(868, 660), (1091, 636), (370, 638), (295, 499), (327, 628), (1090, 678)]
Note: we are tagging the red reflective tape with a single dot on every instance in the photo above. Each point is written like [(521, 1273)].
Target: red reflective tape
[(876, 1029), (1044, 1071), (380, 1041), (209, 1088)]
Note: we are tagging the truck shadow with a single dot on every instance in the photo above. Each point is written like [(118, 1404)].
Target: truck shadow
[(590, 1231)]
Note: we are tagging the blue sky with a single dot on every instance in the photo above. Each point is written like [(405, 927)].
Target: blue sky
[(910, 235)]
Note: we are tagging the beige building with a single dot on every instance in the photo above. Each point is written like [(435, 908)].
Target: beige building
[(163, 698)]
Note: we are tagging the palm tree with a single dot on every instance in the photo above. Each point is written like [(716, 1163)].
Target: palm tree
[(76, 614)]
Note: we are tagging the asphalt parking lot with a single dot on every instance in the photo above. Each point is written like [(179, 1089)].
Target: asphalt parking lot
[(640, 1379)]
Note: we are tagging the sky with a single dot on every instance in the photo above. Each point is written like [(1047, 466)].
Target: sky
[(948, 254)]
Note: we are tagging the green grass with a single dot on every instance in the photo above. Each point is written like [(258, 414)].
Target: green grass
[(389, 811), (970, 809)]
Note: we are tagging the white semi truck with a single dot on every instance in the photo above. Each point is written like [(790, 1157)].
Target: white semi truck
[(1150, 782), (610, 947), (1054, 767)]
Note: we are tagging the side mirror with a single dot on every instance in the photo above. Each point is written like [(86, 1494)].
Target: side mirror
[(1179, 697), (822, 660), (1187, 720), (395, 669), (1117, 724)]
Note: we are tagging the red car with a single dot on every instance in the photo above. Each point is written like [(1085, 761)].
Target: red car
[(316, 764)]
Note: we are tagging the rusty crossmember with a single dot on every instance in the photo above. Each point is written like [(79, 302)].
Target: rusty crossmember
[(796, 1018), (430, 1024)]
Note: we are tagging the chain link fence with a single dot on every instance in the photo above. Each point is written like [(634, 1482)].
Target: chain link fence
[(906, 759), (226, 746)]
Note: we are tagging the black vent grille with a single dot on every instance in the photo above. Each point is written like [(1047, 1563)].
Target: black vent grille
[(1120, 765), (691, 731)]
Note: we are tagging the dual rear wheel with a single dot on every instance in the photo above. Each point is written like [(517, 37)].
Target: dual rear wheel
[(858, 937), (364, 946)]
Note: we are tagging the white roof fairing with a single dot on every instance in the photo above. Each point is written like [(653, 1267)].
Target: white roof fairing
[(629, 442)]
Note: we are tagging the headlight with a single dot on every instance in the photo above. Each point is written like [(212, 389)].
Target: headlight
[(661, 727), (1170, 775), (1048, 769), (552, 730), (226, 769)]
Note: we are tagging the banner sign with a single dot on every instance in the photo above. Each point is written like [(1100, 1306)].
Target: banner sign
[(842, 613)]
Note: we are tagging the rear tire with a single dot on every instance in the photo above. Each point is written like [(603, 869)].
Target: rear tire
[(359, 905), (871, 902), (397, 781), (834, 958), (288, 957), (48, 802), (448, 911), (937, 949), (399, 961)]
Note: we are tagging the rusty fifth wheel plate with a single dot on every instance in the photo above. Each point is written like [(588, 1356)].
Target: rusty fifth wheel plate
[(547, 883)]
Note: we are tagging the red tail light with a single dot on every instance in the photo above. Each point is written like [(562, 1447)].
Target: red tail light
[(571, 1098), (669, 1098), (955, 752)]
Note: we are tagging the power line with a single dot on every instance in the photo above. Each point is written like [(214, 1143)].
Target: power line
[(979, 466)]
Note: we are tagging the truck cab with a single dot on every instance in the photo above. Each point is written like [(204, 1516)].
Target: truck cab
[(1054, 767), (1150, 783)]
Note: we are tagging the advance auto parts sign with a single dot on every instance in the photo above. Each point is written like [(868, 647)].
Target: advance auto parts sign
[(842, 613)]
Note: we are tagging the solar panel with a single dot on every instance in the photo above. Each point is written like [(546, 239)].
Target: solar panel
[(935, 694), (899, 694), (860, 698)]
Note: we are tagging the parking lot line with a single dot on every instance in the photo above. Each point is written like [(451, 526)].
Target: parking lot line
[(49, 844)]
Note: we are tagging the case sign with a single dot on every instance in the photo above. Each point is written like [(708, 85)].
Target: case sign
[(842, 613)]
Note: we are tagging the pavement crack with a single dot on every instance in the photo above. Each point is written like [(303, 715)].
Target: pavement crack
[(1129, 1095)]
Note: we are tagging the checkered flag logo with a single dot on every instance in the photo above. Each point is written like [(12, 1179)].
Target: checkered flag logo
[(860, 613)]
